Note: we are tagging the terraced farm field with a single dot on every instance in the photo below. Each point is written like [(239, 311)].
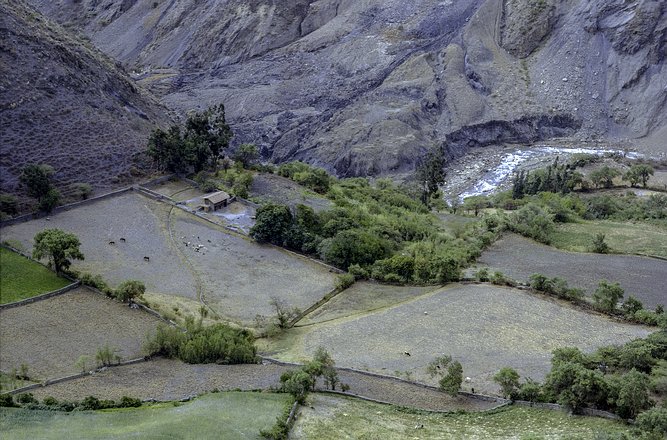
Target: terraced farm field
[(50, 335), (520, 257), (484, 327), (622, 237), (21, 278), (232, 416), (332, 417), (188, 257)]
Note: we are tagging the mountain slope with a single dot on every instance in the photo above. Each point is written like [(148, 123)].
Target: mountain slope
[(64, 103), (365, 87)]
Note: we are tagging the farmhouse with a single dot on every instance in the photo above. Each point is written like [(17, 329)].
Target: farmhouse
[(216, 200)]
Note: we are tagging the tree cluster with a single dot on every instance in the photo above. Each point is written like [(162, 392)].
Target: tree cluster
[(37, 180), (194, 147), (204, 345), (614, 378), (375, 232)]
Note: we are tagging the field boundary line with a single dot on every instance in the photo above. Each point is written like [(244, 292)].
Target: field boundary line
[(324, 300), (393, 378), (70, 377), (383, 402), (41, 297)]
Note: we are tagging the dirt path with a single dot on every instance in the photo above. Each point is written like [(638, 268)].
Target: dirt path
[(166, 379)]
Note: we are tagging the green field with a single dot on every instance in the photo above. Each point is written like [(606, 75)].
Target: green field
[(233, 415), (622, 237), (330, 417), (21, 278)]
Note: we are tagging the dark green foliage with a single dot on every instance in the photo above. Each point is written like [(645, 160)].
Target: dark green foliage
[(200, 345), (247, 154), (607, 295), (272, 224), (314, 178), (631, 306), (7, 401), (508, 379), (297, 383), (653, 422), (354, 246), (59, 246), (280, 430), (82, 190), (639, 173), (450, 372), (430, 174), (555, 178), (49, 200), (604, 176), (532, 221), (599, 246), (129, 290), (129, 402), (574, 386), (36, 178), (630, 394), (375, 231), (97, 282), (197, 146), (555, 286), (344, 281), (26, 398), (8, 204)]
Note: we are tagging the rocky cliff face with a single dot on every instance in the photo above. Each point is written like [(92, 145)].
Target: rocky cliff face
[(365, 87), (64, 103)]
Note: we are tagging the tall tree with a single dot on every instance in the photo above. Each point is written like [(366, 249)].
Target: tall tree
[(209, 134), (59, 246), (430, 173)]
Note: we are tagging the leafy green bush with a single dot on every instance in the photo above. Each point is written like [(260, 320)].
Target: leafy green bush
[(533, 222), (200, 345)]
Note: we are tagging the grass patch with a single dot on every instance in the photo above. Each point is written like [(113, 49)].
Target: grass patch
[(21, 278), (622, 237), (336, 417), (233, 415)]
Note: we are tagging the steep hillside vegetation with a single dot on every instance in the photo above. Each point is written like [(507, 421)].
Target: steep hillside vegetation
[(366, 87), (64, 103)]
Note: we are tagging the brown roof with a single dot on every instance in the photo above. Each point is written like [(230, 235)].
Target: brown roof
[(216, 197)]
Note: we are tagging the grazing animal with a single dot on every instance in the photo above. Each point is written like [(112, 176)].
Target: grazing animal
[(147, 259), (122, 240), (473, 390), (406, 353), (112, 242), (468, 380)]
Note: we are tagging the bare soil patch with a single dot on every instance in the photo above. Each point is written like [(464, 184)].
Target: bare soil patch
[(277, 189), (165, 379), (519, 258), (239, 277), (484, 327), (50, 335), (141, 222), (363, 297), (188, 257)]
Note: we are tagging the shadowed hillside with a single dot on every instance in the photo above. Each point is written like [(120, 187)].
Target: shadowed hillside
[(64, 103)]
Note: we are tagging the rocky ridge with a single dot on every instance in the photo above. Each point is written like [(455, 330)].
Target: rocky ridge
[(365, 87)]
